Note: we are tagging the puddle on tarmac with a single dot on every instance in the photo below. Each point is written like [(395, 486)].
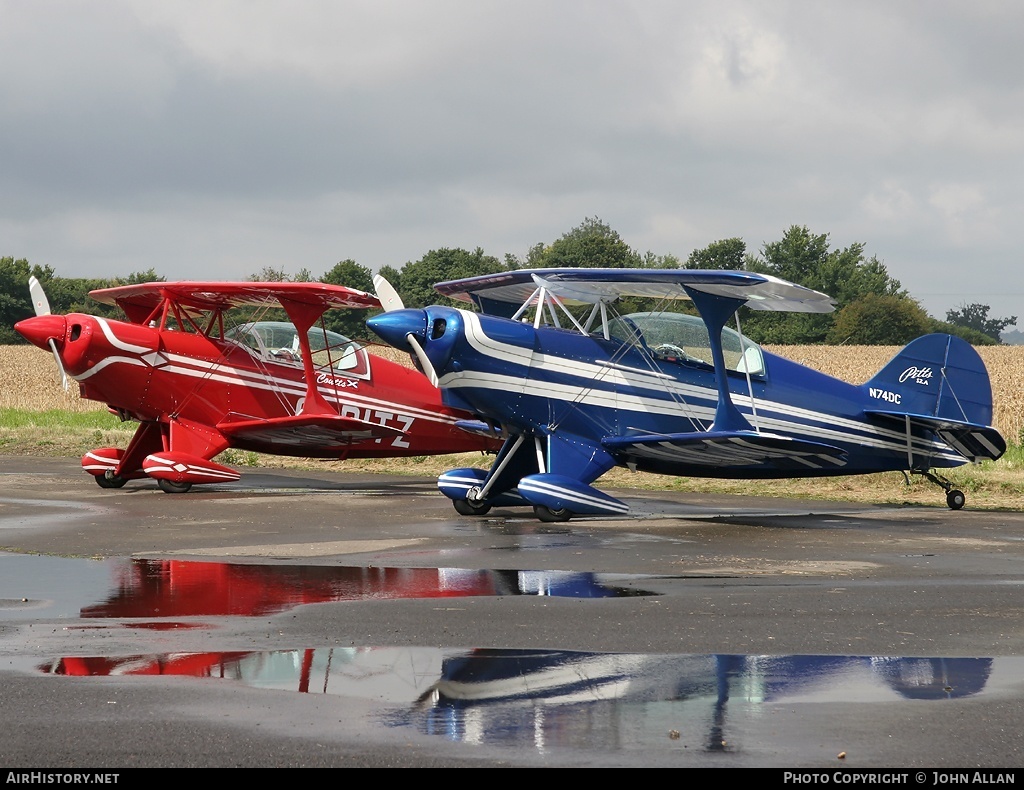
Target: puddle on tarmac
[(518, 698), (56, 587), (547, 698)]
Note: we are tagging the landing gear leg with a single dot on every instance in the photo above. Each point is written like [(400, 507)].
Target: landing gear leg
[(954, 497), (472, 505)]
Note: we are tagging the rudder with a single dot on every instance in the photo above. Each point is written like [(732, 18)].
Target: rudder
[(936, 375)]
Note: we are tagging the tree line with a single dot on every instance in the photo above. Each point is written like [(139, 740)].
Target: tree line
[(872, 308)]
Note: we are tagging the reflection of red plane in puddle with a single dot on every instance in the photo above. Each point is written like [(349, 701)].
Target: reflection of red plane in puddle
[(237, 665), (194, 664), (182, 588), (198, 384), (168, 589)]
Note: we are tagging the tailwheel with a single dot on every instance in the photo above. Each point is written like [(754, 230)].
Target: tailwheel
[(466, 508), (954, 497), (109, 480), (173, 488), (544, 513)]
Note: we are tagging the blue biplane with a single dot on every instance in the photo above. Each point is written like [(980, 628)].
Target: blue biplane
[(575, 389)]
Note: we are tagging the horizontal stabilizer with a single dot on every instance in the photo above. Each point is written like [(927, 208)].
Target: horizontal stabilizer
[(972, 441), (314, 430), (728, 448)]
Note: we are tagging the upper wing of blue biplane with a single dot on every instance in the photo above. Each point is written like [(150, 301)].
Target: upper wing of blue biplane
[(139, 301), (589, 286)]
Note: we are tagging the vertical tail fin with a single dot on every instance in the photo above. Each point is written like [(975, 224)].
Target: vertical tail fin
[(939, 383), (939, 376)]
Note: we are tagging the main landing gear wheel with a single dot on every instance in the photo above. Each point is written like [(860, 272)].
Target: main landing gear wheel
[(109, 480), (173, 488), (955, 499), (466, 508), (544, 513)]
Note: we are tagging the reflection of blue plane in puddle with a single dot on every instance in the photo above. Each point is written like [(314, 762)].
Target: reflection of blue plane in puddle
[(561, 697), (495, 676), (579, 389)]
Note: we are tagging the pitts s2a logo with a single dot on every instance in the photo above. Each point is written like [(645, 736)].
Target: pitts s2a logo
[(919, 375)]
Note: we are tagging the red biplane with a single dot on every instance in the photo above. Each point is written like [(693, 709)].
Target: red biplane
[(198, 382)]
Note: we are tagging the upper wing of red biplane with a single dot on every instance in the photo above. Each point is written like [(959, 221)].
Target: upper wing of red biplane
[(590, 286), (139, 301)]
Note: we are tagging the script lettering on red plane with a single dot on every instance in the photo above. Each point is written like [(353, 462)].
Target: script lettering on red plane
[(338, 382)]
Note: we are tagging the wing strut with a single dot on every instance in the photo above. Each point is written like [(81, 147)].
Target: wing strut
[(715, 310), (746, 371), (304, 315)]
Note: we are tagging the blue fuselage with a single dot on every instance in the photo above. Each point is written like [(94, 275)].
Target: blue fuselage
[(552, 382)]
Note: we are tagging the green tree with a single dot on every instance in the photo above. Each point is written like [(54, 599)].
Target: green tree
[(879, 320), (972, 336), (138, 278), (651, 261), (975, 316), (591, 244), (722, 254), (15, 302), (415, 282), (806, 259), (349, 274), (268, 274), (350, 322), (71, 295)]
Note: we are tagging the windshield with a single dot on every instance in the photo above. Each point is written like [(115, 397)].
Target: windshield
[(278, 341), (677, 337)]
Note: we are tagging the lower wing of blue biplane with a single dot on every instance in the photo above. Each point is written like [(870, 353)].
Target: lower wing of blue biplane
[(745, 450)]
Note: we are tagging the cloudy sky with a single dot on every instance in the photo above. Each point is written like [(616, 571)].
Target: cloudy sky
[(209, 139)]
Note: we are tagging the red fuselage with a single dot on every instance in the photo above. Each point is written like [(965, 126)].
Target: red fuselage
[(189, 378)]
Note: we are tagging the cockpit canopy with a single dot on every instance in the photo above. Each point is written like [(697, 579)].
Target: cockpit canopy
[(678, 337), (278, 342)]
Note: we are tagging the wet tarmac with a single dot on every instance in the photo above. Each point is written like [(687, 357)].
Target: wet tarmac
[(323, 619)]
